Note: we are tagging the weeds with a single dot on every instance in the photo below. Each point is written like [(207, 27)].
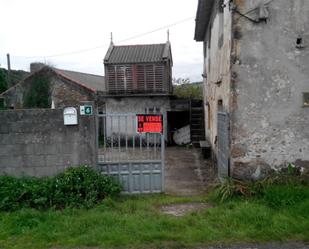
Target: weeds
[(280, 189)]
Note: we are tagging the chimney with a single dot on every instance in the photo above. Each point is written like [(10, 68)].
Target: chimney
[(36, 66), (9, 70)]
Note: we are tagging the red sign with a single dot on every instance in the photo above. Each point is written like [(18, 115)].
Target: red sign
[(150, 123)]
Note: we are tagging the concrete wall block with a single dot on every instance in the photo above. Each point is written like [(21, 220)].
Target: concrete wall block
[(56, 137), (4, 128), (9, 150), (18, 127), (46, 171), (70, 160), (5, 139), (11, 161), (54, 160), (72, 135), (10, 171), (34, 161), (68, 148), (29, 171), (18, 138), (27, 149), (51, 149), (39, 149), (36, 142)]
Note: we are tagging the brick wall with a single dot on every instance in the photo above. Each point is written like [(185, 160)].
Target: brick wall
[(37, 143)]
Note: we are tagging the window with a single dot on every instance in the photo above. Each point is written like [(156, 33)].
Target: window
[(220, 105), (208, 117), (306, 99)]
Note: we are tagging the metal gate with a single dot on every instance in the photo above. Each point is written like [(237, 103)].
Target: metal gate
[(134, 159), (223, 144)]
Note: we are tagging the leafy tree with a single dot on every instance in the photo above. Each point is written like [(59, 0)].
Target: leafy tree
[(3, 82), (37, 96), (192, 91)]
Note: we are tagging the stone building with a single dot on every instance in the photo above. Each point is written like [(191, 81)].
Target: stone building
[(138, 79), (65, 88), (256, 82)]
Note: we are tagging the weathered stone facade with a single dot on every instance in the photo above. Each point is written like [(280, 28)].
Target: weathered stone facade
[(36, 142), (257, 63), (63, 92)]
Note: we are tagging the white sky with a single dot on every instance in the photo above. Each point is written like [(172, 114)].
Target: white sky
[(31, 28)]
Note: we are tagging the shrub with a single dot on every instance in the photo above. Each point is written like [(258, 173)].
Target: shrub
[(75, 187), (82, 186)]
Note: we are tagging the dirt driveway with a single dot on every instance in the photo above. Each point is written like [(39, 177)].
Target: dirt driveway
[(186, 172)]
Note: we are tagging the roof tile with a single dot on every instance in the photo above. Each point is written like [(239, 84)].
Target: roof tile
[(136, 53)]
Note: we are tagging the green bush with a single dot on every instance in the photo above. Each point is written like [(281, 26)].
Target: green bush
[(75, 187), (191, 90), (82, 186)]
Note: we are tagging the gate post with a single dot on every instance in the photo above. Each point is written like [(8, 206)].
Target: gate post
[(163, 162), (97, 139)]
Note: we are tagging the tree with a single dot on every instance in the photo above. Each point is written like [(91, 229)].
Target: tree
[(181, 81), (3, 81), (192, 91)]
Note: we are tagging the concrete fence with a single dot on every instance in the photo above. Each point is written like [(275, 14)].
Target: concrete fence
[(36, 142)]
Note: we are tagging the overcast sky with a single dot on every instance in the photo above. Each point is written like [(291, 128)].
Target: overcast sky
[(33, 30)]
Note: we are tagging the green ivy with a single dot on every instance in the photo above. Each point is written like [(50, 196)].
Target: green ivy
[(3, 82), (37, 96)]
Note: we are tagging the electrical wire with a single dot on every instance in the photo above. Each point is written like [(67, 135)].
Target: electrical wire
[(248, 12), (105, 45)]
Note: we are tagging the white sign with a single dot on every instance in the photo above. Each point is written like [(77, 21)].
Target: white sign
[(70, 116), (85, 110)]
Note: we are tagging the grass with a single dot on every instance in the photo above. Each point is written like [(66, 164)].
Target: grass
[(136, 222)]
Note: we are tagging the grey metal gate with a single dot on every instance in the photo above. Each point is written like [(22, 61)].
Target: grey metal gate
[(135, 159), (223, 144)]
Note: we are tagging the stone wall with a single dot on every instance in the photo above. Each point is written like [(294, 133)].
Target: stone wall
[(37, 143), (270, 122)]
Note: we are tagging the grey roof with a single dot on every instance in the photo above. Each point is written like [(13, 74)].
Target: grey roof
[(138, 53), (90, 81), (202, 19)]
